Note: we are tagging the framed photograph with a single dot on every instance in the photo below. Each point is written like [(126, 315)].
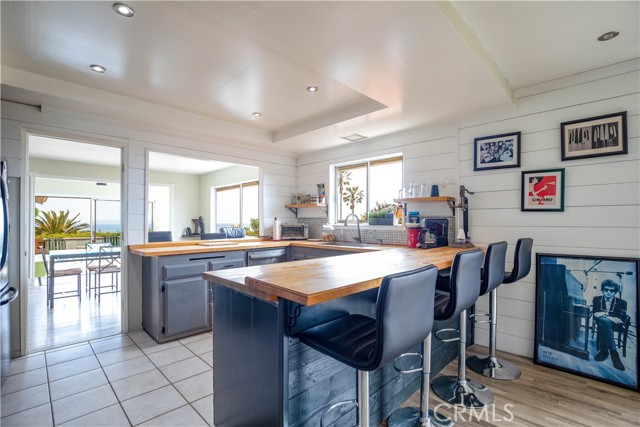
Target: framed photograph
[(542, 190), (496, 152), (594, 137), (587, 316)]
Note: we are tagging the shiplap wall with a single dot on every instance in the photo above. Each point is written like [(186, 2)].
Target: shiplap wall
[(277, 171), (602, 195), (428, 155), (602, 205)]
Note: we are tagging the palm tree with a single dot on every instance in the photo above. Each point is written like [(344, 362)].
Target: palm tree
[(344, 179), (50, 222), (351, 196)]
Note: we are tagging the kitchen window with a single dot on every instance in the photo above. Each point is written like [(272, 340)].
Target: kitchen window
[(377, 181), (236, 205)]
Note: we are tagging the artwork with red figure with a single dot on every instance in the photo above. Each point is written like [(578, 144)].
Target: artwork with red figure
[(543, 190)]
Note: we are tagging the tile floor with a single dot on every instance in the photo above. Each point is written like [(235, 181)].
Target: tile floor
[(123, 380)]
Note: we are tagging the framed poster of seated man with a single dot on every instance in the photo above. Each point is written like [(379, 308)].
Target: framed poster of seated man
[(587, 316)]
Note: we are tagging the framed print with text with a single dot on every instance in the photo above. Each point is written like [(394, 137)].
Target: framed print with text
[(542, 190), (595, 136)]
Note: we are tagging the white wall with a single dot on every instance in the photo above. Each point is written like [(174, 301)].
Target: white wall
[(602, 195), (228, 176), (186, 198), (602, 206), (428, 155), (277, 172)]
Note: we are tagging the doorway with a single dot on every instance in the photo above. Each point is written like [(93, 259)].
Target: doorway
[(75, 278)]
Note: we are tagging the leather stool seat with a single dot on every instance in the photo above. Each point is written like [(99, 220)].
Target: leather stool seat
[(349, 339), (365, 343)]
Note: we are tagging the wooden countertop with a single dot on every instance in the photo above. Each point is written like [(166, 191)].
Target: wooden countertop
[(182, 248), (314, 281)]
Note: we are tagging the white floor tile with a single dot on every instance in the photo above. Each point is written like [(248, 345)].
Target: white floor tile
[(111, 343), (202, 346), (112, 416), (140, 336), (194, 338), (150, 347), (204, 407), (25, 364), (152, 404), (24, 399), (83, 403), (136, 385), (72, 367), (119, 355), (184, 369), (130, 367), (40, 416), (207, 357), (68, 353), (24, 380), (185, 416), (196, 387), (172, 355), (77, 384)]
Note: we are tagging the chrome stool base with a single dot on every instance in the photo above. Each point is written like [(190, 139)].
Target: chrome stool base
[(492, 367), (468, 393), (410, 417)]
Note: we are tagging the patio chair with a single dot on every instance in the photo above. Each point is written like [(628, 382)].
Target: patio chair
[(108, 263), (51, 293)]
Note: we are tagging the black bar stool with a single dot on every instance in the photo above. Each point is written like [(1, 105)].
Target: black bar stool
[(366, 344), (464, 292), (490, 366)]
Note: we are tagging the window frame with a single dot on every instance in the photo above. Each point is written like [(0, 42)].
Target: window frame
[(241, 186), (367, 163)]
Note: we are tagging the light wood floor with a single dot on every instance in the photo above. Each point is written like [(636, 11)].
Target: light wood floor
[(546, 397), (71, 320)]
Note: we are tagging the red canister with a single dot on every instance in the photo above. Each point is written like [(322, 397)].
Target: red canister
[(412, 237)]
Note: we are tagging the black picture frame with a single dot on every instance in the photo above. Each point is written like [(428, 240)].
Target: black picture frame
[(573, 321), (594, 137), (542, 190), (497, 151)]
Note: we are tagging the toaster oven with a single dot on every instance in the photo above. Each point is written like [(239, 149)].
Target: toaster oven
[(295, 231)]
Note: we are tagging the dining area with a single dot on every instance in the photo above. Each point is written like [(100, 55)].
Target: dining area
[(76, 292)]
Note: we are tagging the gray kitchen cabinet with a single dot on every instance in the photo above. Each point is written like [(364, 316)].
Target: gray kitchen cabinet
[(175, 298)]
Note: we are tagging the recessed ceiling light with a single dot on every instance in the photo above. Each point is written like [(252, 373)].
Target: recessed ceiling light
[(312, 88), (608, 36), (97, 68), (354, 137), (256, 114), (124, 10)]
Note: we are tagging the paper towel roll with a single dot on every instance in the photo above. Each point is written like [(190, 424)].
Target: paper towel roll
[(461, 237)]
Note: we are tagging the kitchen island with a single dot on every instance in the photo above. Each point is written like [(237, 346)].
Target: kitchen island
[(264, 377)]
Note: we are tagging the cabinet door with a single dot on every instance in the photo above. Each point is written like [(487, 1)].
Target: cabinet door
[(186, 305)]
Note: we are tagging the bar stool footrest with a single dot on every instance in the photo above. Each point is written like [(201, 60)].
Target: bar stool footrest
[(337, 405), (445, 331), (407, 371), (410, 417), (495, 368)]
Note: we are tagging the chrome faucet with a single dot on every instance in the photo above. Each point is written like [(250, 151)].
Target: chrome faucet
[(359, 238)]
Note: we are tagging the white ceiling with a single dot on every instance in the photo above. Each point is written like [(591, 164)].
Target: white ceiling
[(70, 151), (382, 67)]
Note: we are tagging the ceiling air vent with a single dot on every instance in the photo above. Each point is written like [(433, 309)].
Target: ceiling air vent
[(354, 137)]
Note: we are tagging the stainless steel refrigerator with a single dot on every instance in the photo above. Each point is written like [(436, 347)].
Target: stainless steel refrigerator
[(8, 293)]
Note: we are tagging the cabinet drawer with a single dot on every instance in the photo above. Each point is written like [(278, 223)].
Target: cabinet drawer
[(225, 264), (177, 271)]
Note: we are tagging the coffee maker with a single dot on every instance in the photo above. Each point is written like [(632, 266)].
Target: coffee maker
[(434, 233)]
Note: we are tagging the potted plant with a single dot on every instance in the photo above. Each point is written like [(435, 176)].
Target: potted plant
[(382, 214)]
